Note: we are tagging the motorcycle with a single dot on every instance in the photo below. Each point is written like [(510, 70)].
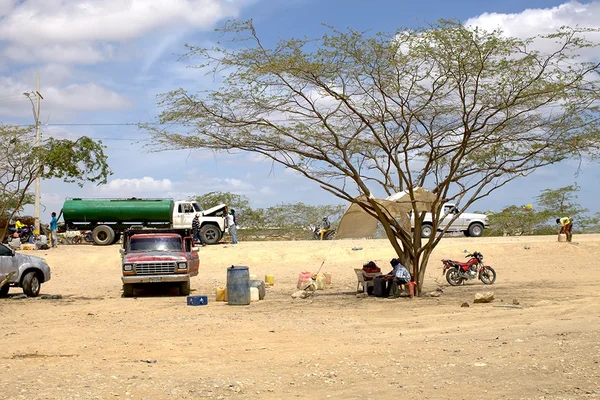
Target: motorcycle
[(84, 235), (458, 273), (25, 234), (316, 233)]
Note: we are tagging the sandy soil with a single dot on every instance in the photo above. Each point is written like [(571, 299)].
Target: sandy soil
[(93, 344)]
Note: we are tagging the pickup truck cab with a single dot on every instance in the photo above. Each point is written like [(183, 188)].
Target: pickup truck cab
[(27, 272), (158, 256), (469, 223)]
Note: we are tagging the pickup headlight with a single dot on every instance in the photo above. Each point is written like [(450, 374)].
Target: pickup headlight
[(181, 265), (127, 267)]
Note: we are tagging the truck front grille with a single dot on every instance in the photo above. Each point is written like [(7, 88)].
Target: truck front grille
[(155, 268)]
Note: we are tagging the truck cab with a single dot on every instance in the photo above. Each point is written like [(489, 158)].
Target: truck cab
[(212, 221), (165, 256), (470, 224)]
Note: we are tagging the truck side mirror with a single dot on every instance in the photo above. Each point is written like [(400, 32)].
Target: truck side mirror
[(122, 250)]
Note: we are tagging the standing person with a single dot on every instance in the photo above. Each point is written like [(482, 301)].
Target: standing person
[(566, 227), (54, 230), (196, 230), (230, 221)]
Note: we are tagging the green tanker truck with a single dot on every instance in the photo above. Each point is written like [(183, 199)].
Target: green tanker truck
[(109, 218)]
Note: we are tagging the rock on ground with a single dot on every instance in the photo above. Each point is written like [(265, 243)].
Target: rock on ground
[(483, 297)]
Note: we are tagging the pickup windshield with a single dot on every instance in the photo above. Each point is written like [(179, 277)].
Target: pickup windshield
[(156, 244)]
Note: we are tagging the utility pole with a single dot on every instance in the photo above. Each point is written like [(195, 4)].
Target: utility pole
[(38, 139), (36, 116)]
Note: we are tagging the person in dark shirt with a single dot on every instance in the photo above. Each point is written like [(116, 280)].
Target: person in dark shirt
[(196, 230)]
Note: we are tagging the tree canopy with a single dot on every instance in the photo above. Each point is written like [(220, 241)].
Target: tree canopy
[(21, 162), (455, 109)]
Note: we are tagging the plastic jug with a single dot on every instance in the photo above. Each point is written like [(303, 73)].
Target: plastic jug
[(220, 293), (327, 278), (254, 295), (562, 237), (261, 288), (304, 279), (320, 282), (270, 279)]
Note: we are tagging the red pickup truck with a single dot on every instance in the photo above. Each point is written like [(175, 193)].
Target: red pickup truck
[(158, 256)]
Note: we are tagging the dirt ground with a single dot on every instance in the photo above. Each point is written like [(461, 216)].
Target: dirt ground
[(94, 344)]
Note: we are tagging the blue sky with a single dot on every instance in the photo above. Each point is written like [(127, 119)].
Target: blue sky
[(104, 61)]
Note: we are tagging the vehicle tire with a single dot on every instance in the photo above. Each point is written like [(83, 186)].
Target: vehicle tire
[(453, 277), (466, 233), (211, 234), (426, 230), (4, 290), (488, 275), (329, 235), (75, 240), (31, 284), (184, 288), (103, 235), (127, 290), (475, 230)]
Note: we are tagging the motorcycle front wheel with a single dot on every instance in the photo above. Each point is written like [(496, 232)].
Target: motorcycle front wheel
[(487, 275), (453, 277)]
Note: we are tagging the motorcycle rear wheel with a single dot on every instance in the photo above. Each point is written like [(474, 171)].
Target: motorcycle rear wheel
[(453, 278), (487, 275)]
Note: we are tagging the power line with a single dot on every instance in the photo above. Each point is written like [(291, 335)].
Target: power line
[(96, 124)]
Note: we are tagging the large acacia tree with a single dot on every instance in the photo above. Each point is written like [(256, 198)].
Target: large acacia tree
[(457, 110), (21, 162)]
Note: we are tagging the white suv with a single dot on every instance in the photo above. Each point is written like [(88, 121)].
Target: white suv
[(469, 223)]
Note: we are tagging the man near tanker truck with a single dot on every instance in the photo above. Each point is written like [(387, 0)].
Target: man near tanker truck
[(108, 219)]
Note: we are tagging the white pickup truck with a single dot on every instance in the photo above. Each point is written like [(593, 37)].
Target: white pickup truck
[(468, 223)]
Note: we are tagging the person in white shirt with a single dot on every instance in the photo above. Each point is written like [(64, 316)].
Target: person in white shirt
[(230, 223)]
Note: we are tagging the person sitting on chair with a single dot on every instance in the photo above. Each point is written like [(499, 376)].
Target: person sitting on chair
[(398, 276), (325, 225)]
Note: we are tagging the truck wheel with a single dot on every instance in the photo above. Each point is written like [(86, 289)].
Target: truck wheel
[(426, 230), (475, 230), (466, 233), (31, 284), (211, 234), (4, 290), (103, 235), (184, 288), (127, 290)]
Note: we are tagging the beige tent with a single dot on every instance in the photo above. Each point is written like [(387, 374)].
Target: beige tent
[(357, 223)]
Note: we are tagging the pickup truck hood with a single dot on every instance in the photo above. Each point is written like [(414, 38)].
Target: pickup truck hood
[(154, 256), (214, 209), (33, 260), (23, 261)]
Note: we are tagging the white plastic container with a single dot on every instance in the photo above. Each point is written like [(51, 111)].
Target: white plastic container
[(254, 294), (562, 237)]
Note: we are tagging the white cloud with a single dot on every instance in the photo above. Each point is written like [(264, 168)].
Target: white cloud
[(6, 6), (137, 186), (59, 101), (79, 53), (533, 22), (86, 97), (74, 21)]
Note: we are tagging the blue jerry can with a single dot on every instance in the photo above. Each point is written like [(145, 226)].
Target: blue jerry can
[(197, 300)]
